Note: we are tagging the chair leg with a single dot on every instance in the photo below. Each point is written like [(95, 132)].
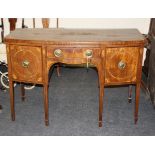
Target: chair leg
[(58, 69), (22, 92), (46, 109), (130, 94), (0, 108)]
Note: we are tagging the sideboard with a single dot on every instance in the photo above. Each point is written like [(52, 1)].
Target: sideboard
[(116, 53)]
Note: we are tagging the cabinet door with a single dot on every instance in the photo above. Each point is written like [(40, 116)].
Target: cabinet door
[(26, 63), (121, 65)]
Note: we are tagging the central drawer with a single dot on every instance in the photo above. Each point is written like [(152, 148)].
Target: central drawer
[(66, 53)]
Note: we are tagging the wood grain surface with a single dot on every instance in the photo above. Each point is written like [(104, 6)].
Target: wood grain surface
[(116, 53), (67, 36)]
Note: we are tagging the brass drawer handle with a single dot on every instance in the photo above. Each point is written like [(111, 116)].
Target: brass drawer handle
[(121, 65), (58, 53), (88, 53), (25, 63)]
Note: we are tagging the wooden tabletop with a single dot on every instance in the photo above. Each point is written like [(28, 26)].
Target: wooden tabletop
[(75, 35)]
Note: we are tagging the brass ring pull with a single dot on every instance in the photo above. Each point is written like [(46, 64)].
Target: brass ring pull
[(25, 63), (121, 65), (88, 53), (58, 53)]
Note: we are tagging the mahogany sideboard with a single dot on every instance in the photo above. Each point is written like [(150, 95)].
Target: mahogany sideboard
[(116, 53)]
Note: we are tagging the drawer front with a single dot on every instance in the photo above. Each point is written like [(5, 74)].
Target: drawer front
[(65, 53), (26, 63), (121, 65)]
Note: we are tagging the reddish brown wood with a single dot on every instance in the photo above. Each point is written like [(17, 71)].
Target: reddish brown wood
[(43, 48), (130, 94), (91, 37), (30, 72), (12, 22), (45, 84), (46, 104), (22, 92), (46, 22), (98, 63), (128, 57), (11, 87), (138, 83), (1, 108)]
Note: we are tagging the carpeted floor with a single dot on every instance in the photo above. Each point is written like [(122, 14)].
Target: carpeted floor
[(73, 109)]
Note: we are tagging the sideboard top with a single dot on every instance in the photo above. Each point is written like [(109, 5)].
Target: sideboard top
[(52, 35)]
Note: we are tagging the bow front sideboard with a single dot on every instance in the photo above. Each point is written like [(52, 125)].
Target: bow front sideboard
[(116, 53)]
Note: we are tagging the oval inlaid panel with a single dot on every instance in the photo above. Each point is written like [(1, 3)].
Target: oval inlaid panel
[(121, 64), (31, 55)]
